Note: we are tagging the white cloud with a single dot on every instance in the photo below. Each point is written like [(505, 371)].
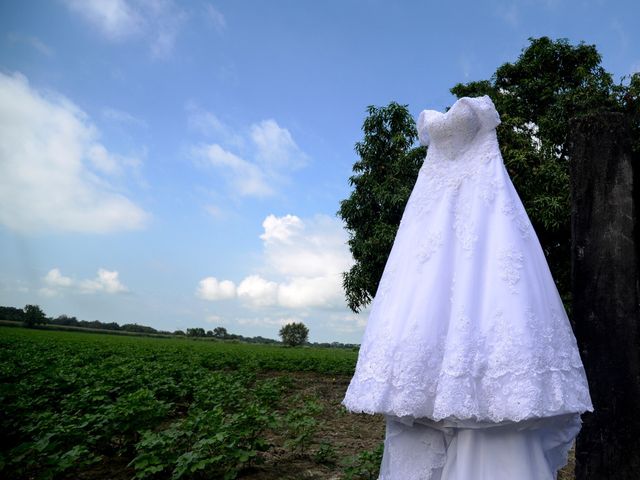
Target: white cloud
[(317, 249), (52, 166), (210, 288), (209, 125), (157, 21), (263, 159), (275, 146), (54, 279), (106, 281), (280, 229), (303, 265), (102, 160), (257, 291), (116, 19), (245, 177), (307, 292), (311, 259)]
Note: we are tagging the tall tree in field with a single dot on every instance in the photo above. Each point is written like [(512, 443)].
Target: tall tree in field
[(382, 181), (220, 332), (294, 334), (33, 315)]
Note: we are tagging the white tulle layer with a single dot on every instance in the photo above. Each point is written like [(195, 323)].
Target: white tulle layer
[(421, 449)]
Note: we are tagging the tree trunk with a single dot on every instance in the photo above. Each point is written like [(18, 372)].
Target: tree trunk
[(606, 312)]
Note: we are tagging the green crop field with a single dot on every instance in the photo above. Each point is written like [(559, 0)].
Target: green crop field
[(79, 405)]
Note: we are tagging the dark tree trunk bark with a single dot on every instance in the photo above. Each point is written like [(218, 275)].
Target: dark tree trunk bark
[(606, 312)]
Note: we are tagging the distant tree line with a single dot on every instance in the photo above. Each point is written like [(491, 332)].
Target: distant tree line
[(32, 315), (222, 334)]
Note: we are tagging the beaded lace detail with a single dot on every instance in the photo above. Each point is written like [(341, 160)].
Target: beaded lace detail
[(511, 262)]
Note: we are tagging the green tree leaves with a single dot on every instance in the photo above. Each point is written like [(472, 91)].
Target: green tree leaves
[(382, 181), (294, 334), (33, 315)]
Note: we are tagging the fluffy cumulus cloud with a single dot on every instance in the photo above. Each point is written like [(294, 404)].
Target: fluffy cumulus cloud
[(280, 229), (157, 21), (253, 164), (54, 173), (257, 291), (210, 288), (55, 279), (105, 281), (302, 267)]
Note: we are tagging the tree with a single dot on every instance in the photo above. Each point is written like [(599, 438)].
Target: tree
[(12, 313), (220, 332), (294, 334), (134, 327), (382, 181), (33, 315), (536, 96), (196, 332)]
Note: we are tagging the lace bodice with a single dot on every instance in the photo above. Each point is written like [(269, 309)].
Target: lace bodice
[(457, 131)]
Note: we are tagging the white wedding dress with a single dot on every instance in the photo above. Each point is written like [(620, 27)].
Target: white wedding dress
[(468, 351)]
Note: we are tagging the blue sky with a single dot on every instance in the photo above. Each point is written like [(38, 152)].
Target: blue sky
[(180, 164)]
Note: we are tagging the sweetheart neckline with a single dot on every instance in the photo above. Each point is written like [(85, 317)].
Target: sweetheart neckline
[(454, 104)]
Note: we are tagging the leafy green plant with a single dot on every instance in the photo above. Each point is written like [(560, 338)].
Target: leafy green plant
[(301, 425), (365, 465), (325, 454)]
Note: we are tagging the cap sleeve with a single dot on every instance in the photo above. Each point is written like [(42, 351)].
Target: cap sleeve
[(423, 134), (487, 112)]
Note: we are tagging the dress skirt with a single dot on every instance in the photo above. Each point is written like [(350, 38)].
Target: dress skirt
[(423, 449)]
